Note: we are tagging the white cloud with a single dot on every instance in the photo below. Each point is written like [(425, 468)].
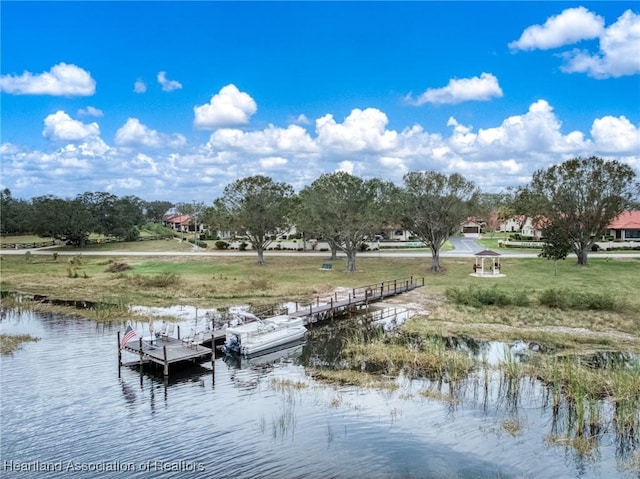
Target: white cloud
[(168, 85), (361, 131), (134, 133), (61, 80), (570, 26), (346, 166), (272, 162), (494, 156), (480, 88), (228, 108), (61, 127), (302, 120), (90, 111), (615, 135), (619, 53), (139, 86), (269, 141), (129, 183), (394, 163)]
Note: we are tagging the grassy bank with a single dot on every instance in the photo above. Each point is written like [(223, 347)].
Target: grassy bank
[(228, 280)]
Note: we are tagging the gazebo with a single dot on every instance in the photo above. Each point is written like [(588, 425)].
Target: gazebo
[(487, 264)]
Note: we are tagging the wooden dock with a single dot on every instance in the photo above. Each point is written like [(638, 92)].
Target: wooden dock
[(169, 350), (358, 297), (166, 351)]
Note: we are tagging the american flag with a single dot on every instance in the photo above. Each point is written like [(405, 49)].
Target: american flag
[(129, 334)]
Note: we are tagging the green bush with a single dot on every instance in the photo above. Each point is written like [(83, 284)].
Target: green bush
[(221, 244), (565, 299), (474, 296)]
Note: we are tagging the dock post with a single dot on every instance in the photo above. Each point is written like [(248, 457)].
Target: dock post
[(165, 371), (119, 355), (141, 356), (178, 332)]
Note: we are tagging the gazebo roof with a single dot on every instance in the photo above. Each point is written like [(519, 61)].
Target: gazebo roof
[(487, 252)]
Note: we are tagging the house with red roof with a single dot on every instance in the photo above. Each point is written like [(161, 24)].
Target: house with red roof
[(625, 226)]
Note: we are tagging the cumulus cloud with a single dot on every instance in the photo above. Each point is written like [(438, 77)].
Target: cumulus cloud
[(361, 131), (615, 135), (134, 133), (168, 85), (619, 53), (269, 141), (482, 88), (272, 162), (494, 156), (90, 111), (139, 86), (570, 26), (228, 108), (619, 44), (62, 80), (61, 127)]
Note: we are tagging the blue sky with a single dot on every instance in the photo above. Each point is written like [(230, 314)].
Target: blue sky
[(175, 100)]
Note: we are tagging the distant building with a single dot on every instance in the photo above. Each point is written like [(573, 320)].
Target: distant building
[(626, 226)]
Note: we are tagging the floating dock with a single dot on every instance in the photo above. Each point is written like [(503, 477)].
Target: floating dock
[(166, 351)]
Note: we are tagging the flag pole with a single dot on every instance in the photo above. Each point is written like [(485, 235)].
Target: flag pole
[(119, 356)]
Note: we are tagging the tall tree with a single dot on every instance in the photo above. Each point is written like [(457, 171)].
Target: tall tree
[(66, 220), (581, 197), (256, 207), (432, 207), (155, 210), (119, 217), (345, 210), (14, 214)]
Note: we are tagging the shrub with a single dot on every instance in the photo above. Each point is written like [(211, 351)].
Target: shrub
[(118, 267), (220, 244), (473, 296), (161, 280), (243, 246), (564, 299)]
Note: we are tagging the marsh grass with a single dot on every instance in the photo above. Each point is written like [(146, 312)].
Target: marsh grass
[(348, 377), (284, 384), (427, 358), (10, 343), (482, 296), (162, 280)]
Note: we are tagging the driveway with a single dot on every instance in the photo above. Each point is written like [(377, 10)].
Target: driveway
[(464, 246)]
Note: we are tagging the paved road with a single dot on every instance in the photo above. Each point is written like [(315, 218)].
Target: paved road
[(466, 249)]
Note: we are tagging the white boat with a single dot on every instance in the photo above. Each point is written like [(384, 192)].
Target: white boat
[(263, 334)]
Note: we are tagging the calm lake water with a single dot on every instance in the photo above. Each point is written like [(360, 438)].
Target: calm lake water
[(66, 413)]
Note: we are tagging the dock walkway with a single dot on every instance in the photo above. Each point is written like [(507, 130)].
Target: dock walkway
[(362, 296)]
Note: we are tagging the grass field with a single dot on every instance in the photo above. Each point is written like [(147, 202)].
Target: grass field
[(226, 280)]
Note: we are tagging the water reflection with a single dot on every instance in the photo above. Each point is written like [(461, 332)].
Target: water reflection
[(264, 417)]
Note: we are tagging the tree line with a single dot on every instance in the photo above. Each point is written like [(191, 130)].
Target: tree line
[(573, 202)]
